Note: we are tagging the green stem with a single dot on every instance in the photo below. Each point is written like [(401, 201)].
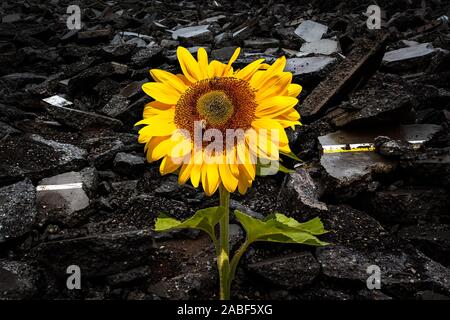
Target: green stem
[(235, 261), (223, 261)]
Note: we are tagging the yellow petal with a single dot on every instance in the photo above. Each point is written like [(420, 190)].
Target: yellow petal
[(243, 184), (189, 65), (229, 181), (161, 149), (202, 58), (277, 85), (274, 106), (232, 60), (196, 172), (168, 166), (210, 178), (248, 71), (169, 79), (246, 163), (294, 90), (161, 92), (216, 69), (185, 172), (159, 129)]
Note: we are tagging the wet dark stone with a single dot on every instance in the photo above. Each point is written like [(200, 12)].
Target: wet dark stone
[(296, 271), (18, 211), (431, 239), (129, 164), (300, 194), (18, 280), (408, 206), (36, 157)]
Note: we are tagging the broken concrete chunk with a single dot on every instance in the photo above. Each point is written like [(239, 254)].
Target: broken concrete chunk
[(17, 210), (193, 35), (300, 193), (11, 18), (146, 56), (18, 280), (57, 101), (262, 43), (95, 35), (62, 199), (310, 30), (349, 158), (431, 239), (294, 271), (300, 66), (360, 64), (36, 157), (385, 100), (128, 164), (116, 106), (322, 46), (80, 120), (410, 52)]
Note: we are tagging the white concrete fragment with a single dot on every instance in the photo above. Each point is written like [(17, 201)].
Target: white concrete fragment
[(190, 32), (310, 30), (322, 46), (407, 53), (57, 101), (308, 65)]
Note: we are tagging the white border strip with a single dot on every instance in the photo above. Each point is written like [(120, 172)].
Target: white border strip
[(66, 186)]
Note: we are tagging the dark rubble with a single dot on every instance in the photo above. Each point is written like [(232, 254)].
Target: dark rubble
[(388, 206)]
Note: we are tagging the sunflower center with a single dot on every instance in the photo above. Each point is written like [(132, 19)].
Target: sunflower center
[(215, 107), (219, 103)]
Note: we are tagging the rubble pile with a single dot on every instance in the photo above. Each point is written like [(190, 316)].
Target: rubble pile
[(75, 188)]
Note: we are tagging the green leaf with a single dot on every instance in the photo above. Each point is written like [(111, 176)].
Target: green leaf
[(290, 155), (284, 169), (204, 219), (284, 231), (313, 226)]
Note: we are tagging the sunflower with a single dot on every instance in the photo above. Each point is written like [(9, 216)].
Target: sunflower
[(213, 97)]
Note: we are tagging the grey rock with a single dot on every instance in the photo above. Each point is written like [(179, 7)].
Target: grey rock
[(116, 106), (133, 89), (36, 157), (18, 280), (128, 164), (193, 35), (235, 205), (91, 76), (294, 271), (384, 101), (310, 30), (146, 56), (360, 241), (95, 35), (408, 206), (431, 239), (11, 18), (300, 194), (169, 44), (125, 250), (18, 211), (261, 43), (392, 148), (138, 42), (80, 120)]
